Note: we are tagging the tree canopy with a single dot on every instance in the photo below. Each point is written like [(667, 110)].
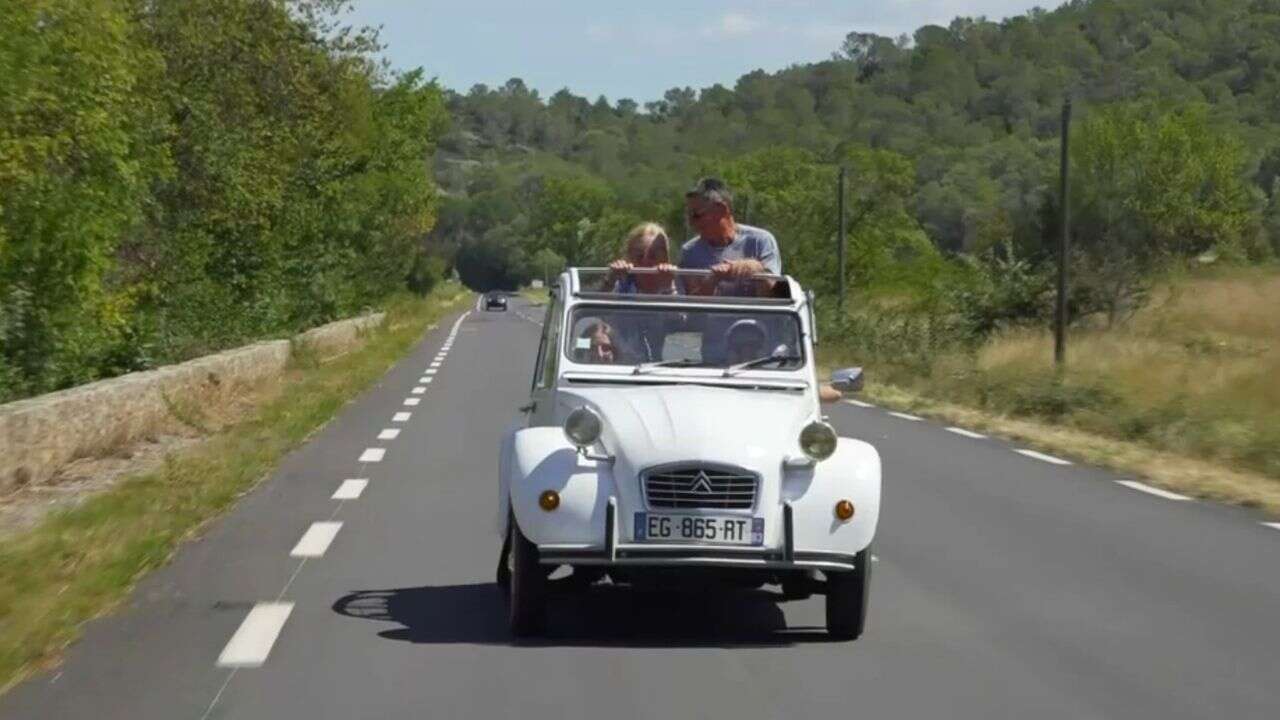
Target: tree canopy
[(950, 134), (181, 176)]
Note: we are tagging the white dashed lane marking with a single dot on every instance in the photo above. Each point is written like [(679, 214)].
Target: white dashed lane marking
[(1273, 526), (859, 403), (1042, 457), (389, 434), (316, 540), (373, 455), (426, 379), (412, 401), (905, 416), (966, 433), (436, 364), (418, 390), (1142, 487), (430, 371), (251, 644), (350, 489), (401, 417)]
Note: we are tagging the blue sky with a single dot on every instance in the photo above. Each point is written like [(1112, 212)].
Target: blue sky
[(636, 49)]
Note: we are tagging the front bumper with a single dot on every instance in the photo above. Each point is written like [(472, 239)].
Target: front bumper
[(612, 552)]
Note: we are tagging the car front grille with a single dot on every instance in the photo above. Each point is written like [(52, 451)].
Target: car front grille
[(697, 487)]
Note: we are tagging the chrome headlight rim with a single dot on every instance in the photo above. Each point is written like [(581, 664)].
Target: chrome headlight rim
[(818, 440), (583, 427)]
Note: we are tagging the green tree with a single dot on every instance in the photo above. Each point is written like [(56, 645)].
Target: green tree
[(1151, 186), (81, 144)]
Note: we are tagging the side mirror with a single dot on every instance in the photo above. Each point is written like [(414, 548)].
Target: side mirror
[(847, 380)]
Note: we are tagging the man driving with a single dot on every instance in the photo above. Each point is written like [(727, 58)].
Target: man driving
[(744, 340)]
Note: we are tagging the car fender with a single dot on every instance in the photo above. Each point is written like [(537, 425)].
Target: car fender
[(851, 473), (504, 470), (541, 459)]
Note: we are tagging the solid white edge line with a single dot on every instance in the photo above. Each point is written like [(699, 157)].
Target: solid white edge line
[(967, 433), (859, 403), (389, 434), (401, 417), (252, 641), (905, 416), (315, 541), (350, 489), (1042, 457), (373, 455), (412, 401), (1143, 487)]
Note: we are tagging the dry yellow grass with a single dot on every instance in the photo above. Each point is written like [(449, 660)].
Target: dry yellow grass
[(1179, 473), (1186, 393)]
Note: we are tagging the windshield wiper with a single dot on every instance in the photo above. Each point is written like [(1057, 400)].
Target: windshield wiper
[(729, 371), (681, 362)]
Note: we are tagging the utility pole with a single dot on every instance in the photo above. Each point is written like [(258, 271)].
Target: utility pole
[(1064, 197), (840, 243)]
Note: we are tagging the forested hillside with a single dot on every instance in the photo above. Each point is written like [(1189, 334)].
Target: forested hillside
[(179, 176), (951, 138)]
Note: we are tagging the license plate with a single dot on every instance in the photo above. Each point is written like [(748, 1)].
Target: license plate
[(699, 529)]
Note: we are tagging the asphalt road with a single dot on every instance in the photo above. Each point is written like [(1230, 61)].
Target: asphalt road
[(1007, 586)]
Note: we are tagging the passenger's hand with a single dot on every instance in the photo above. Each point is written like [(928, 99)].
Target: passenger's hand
[(828, 394), (665, 270), (620, 267), (739, 269)]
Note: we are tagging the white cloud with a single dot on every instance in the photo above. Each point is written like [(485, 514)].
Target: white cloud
[(736, 24)]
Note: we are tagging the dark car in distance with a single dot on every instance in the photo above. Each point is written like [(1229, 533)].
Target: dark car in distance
[(495, 301)]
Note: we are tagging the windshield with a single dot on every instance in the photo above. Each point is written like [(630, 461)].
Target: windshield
[(648, 338)]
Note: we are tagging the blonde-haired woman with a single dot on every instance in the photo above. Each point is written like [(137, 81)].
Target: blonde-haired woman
[(646, 246)]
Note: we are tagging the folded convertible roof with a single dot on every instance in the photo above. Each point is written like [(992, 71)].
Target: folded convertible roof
[(588, 282)]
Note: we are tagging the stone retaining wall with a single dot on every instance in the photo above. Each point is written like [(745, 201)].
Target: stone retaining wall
[(38, 435)]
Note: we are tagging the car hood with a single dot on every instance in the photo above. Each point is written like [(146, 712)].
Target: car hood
[(653, 425)]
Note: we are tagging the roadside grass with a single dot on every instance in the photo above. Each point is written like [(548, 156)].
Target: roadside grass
[(537, 296), (79, 563), (1187, 393)]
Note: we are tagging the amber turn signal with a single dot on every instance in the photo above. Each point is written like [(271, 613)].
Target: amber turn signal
[(550, 500), (844, 509)]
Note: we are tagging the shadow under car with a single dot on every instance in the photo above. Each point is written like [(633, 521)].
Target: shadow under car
[(602, 615)]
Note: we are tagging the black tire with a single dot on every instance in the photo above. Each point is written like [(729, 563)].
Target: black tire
[(503, 576), (527, 598), (848, 594)]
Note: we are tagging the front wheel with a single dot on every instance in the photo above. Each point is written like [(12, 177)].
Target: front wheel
[(527, 598), (847, 596)]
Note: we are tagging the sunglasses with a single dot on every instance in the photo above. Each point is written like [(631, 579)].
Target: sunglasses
[(695, 215)]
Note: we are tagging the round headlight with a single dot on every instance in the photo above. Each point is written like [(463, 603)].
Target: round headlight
[(582, 427), (818, 440)]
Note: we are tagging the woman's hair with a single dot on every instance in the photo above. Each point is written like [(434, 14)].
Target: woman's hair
[(650, 230)]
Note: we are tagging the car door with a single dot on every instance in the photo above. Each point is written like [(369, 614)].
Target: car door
[(542, 394)]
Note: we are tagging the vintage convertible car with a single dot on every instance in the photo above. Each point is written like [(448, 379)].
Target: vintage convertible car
[(678, 439)]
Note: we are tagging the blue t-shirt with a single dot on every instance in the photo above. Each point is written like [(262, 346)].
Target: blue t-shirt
[(748, 243)]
